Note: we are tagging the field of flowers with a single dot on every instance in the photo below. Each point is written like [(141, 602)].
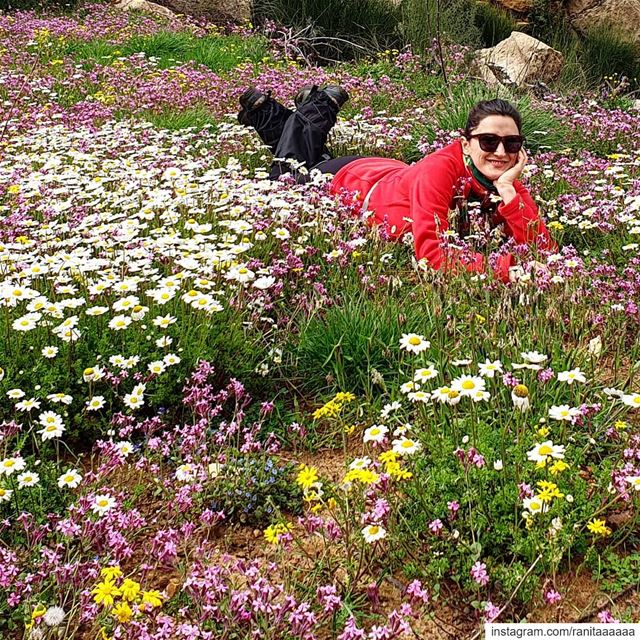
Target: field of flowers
[(230, 409)]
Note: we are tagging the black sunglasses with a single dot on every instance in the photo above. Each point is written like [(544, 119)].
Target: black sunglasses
[(490, 142)]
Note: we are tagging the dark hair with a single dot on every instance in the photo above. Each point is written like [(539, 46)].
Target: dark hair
[(486, 108)]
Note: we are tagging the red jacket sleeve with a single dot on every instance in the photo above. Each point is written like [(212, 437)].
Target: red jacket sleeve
[(522, 221)]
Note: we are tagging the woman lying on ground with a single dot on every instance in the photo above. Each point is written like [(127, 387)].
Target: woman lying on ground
[(482, 167)]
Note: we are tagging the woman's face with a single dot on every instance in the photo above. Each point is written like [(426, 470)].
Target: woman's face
[(492, 164)]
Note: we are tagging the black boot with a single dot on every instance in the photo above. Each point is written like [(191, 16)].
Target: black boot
[(305, 134), (265, 114)]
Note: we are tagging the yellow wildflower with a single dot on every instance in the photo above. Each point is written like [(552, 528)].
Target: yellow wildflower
[(130, 589), (274, 532), (396, 471), (549, 491), (366, 476), (105, 592), (388, 456), (111, 573), (599, 527), (122, 611), (344, 397), (543, 432), (307, 476), (621, 425), (558, 467), (153, 598)]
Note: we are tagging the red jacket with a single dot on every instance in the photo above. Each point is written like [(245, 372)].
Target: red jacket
[(418, 198)]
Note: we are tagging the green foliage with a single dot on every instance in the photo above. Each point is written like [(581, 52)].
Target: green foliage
[(23, 5), (605, 52), (218, 52), (336, 29), (195, 118), (615, 571), (424, 20), (255, 490), (495, 24), (342, 348)]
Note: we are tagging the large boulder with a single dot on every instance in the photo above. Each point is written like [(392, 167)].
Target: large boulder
[(518, 61), (622, 15), (236, 10), (143, 5)]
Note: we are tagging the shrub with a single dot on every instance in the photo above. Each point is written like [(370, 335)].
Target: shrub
[(23, 5), (494, 23), (255, 489), (424, 20), (335, 29), (605, 52), (350, 343)]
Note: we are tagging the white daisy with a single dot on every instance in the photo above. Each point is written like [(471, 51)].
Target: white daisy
[(373, 533), (574, 375), (414, 343), (375, 433)]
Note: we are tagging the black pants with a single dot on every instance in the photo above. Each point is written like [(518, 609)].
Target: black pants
[(298, 138)]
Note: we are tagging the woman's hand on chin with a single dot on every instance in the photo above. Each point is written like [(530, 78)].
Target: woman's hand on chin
[(504, 184)]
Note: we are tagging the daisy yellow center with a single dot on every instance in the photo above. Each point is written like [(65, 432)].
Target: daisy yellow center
[(102, 503), (636, 400), (375, 431), (69, 478), (468, 384), (373, 530), (242, 271), (407, 444), (564, 412), (535, 506), (545, 450), (520, 391), (9, 463), (51, 427), (414, 340)]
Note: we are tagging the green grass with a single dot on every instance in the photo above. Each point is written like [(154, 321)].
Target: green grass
[(424, 20), (336, 29), (341, 348), (219, 53), (494, 24), (605, 52), (195, 118)]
